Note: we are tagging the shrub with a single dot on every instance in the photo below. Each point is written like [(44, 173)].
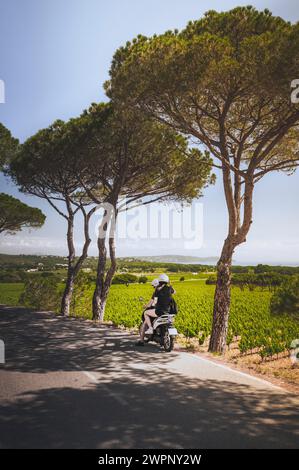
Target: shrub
[(10, 277), (286, 298), (40, 293), (211, 280), (82, 295), (124, 279), (142, 280)]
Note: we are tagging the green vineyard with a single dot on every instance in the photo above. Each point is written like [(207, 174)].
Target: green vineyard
[(251, 322), (250, 319)]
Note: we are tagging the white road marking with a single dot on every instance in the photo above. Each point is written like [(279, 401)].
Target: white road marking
[(222, 366), (115, 395), (94, 379), (89, 375)]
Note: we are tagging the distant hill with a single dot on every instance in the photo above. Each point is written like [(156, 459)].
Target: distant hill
[(23, 262), (178, 259)]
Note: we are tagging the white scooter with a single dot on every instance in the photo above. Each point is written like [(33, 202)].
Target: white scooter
[(164, 332)]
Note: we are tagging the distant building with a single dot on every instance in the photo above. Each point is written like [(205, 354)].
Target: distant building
[(60, 266)]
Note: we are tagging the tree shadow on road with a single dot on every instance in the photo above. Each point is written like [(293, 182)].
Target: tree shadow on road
[(161, 412), (128, 407), (42, 342)]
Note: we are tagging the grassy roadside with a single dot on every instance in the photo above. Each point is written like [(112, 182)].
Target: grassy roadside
[(279, 370), (10, 293)]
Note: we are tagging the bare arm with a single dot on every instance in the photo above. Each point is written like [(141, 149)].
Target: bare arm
[(149, 304)]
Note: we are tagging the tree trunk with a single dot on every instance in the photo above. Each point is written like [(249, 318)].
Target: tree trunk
[(109, 276), (101, 312), (222, 299), (74, 267), (237, 235), (67, 295), (97, 309), (69, 286), (104, 280)]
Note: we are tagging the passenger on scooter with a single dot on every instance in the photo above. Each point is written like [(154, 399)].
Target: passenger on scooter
[(164, 294), (149, 306), (153, 299)]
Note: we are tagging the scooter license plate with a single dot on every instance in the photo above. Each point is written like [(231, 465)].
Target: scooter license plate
[(172, 331)]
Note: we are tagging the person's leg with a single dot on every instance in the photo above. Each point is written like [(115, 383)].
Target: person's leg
[(147, 315), (142, 329), (147, 322)]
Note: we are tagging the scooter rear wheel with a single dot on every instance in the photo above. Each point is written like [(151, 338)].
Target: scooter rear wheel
[(168, 342)]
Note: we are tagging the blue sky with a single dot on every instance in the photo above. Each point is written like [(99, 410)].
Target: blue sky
[(55, 56)]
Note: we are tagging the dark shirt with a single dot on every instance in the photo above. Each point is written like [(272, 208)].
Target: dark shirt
[(154, 294), (164, 296)]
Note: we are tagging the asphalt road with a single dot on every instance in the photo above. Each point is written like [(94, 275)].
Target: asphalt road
[(68, 384)]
